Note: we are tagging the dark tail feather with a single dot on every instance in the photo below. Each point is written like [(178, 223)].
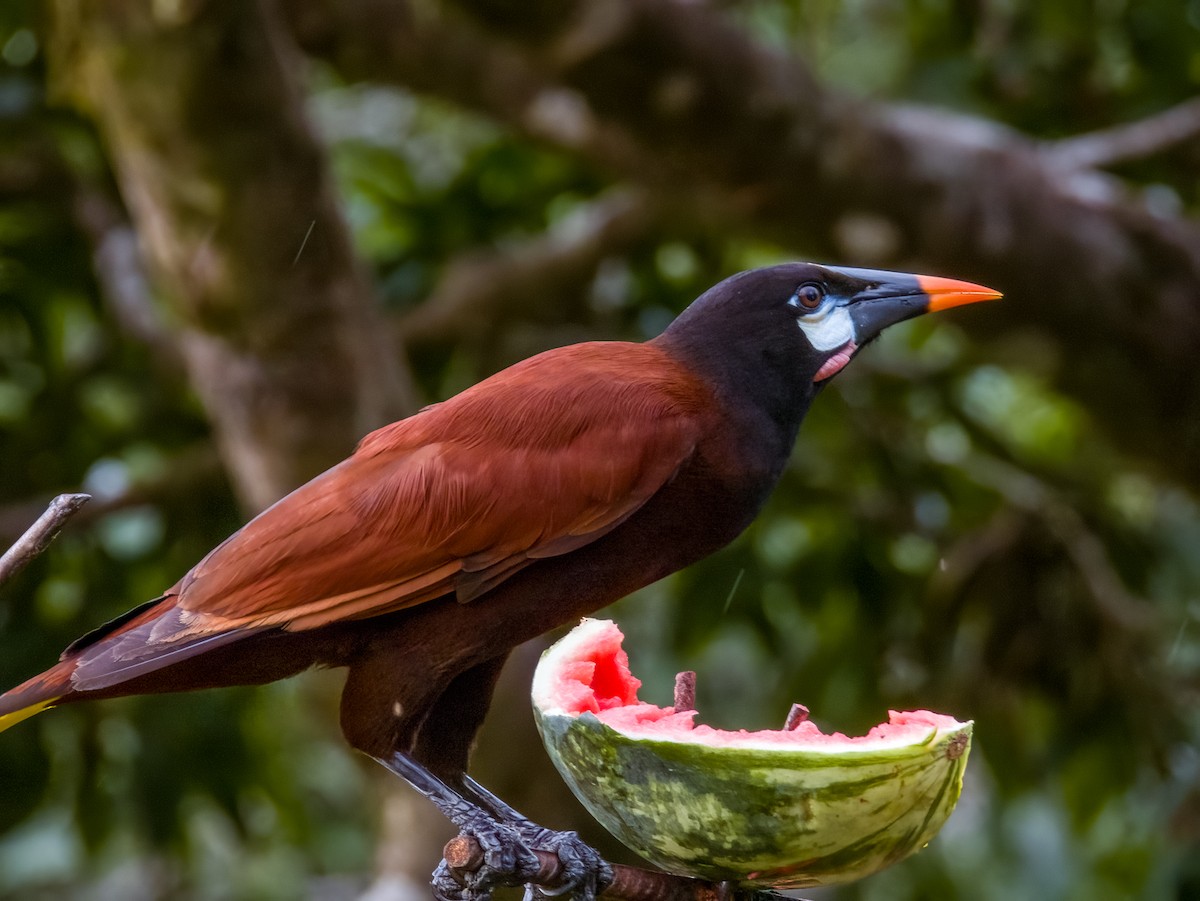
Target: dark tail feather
[(109, 628), (139, 651), (148, 638)]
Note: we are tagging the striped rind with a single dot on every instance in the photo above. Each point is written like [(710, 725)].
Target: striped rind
[(779, 817)]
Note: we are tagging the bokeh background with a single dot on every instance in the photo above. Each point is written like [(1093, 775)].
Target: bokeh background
[(235, 236)]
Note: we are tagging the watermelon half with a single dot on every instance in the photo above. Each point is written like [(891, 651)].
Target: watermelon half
[(787, 809)]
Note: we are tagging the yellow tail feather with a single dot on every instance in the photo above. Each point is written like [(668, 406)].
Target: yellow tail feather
[(11, 719)]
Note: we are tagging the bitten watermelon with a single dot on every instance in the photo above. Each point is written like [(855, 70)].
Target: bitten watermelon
[(787, 809)]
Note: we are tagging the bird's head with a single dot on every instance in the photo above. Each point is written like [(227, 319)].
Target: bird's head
[(770, 338), (810, 319), (839, 311)]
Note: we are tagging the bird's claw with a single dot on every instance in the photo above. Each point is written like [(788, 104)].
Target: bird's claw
[(445, 884), (507, 860), (584, 874)]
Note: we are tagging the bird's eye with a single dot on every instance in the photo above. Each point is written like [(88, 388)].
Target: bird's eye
[(808, 296)]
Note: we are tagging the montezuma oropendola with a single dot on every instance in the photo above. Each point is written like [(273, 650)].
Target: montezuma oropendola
[(539, 495)]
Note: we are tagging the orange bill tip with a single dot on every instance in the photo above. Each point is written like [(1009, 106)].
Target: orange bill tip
[(945, 293)]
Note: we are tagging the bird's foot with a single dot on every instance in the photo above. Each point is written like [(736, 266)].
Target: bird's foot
[(581, 872), (504, 860), (562, 865), (511, 849)]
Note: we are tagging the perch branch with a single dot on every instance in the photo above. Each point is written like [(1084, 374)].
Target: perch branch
[(39, 535), (464, 855)]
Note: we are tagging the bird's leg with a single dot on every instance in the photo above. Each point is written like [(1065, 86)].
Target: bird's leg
[(507, 860), (585, 873), (507, 839)]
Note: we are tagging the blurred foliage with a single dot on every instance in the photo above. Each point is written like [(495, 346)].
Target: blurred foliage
[(951, 533)]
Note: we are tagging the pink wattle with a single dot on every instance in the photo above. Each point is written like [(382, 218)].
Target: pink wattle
[(835, 363)]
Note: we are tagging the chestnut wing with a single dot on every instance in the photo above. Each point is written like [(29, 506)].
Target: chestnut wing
[(537, 462)]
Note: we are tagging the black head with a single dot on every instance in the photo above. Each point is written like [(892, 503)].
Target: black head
[(772, 337)]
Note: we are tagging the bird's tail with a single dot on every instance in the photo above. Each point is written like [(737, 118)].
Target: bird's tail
[(44, 690), (36, 695)]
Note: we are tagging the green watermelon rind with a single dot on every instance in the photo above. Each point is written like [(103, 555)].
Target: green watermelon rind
[(777, 817)]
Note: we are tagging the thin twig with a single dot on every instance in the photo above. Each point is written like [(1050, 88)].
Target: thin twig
[(1130, 141), (39, 535)]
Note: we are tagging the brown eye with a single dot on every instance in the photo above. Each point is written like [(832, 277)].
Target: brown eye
[(808, 296)]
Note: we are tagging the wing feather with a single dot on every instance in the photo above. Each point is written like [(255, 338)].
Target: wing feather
[(538, 461)]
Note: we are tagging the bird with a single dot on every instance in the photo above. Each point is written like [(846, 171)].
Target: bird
[(529, 500)]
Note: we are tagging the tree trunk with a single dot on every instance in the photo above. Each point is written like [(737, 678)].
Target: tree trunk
[(199, 106), (200, 109)]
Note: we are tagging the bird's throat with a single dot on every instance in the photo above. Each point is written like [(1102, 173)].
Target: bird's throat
[(837, 362)]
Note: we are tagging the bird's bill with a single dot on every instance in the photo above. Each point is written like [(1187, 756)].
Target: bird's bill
[(944, 293), (885, 298)]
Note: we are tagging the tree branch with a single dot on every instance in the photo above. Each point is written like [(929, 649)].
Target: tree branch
[(119, 268), (1130, 141), (389, 41), (39, 535), (677, 98), (1110, 599), (232, 197), (545, 276), (195, 469)]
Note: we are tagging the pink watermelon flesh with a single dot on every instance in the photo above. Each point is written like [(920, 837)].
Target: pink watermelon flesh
[(596, 679)]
